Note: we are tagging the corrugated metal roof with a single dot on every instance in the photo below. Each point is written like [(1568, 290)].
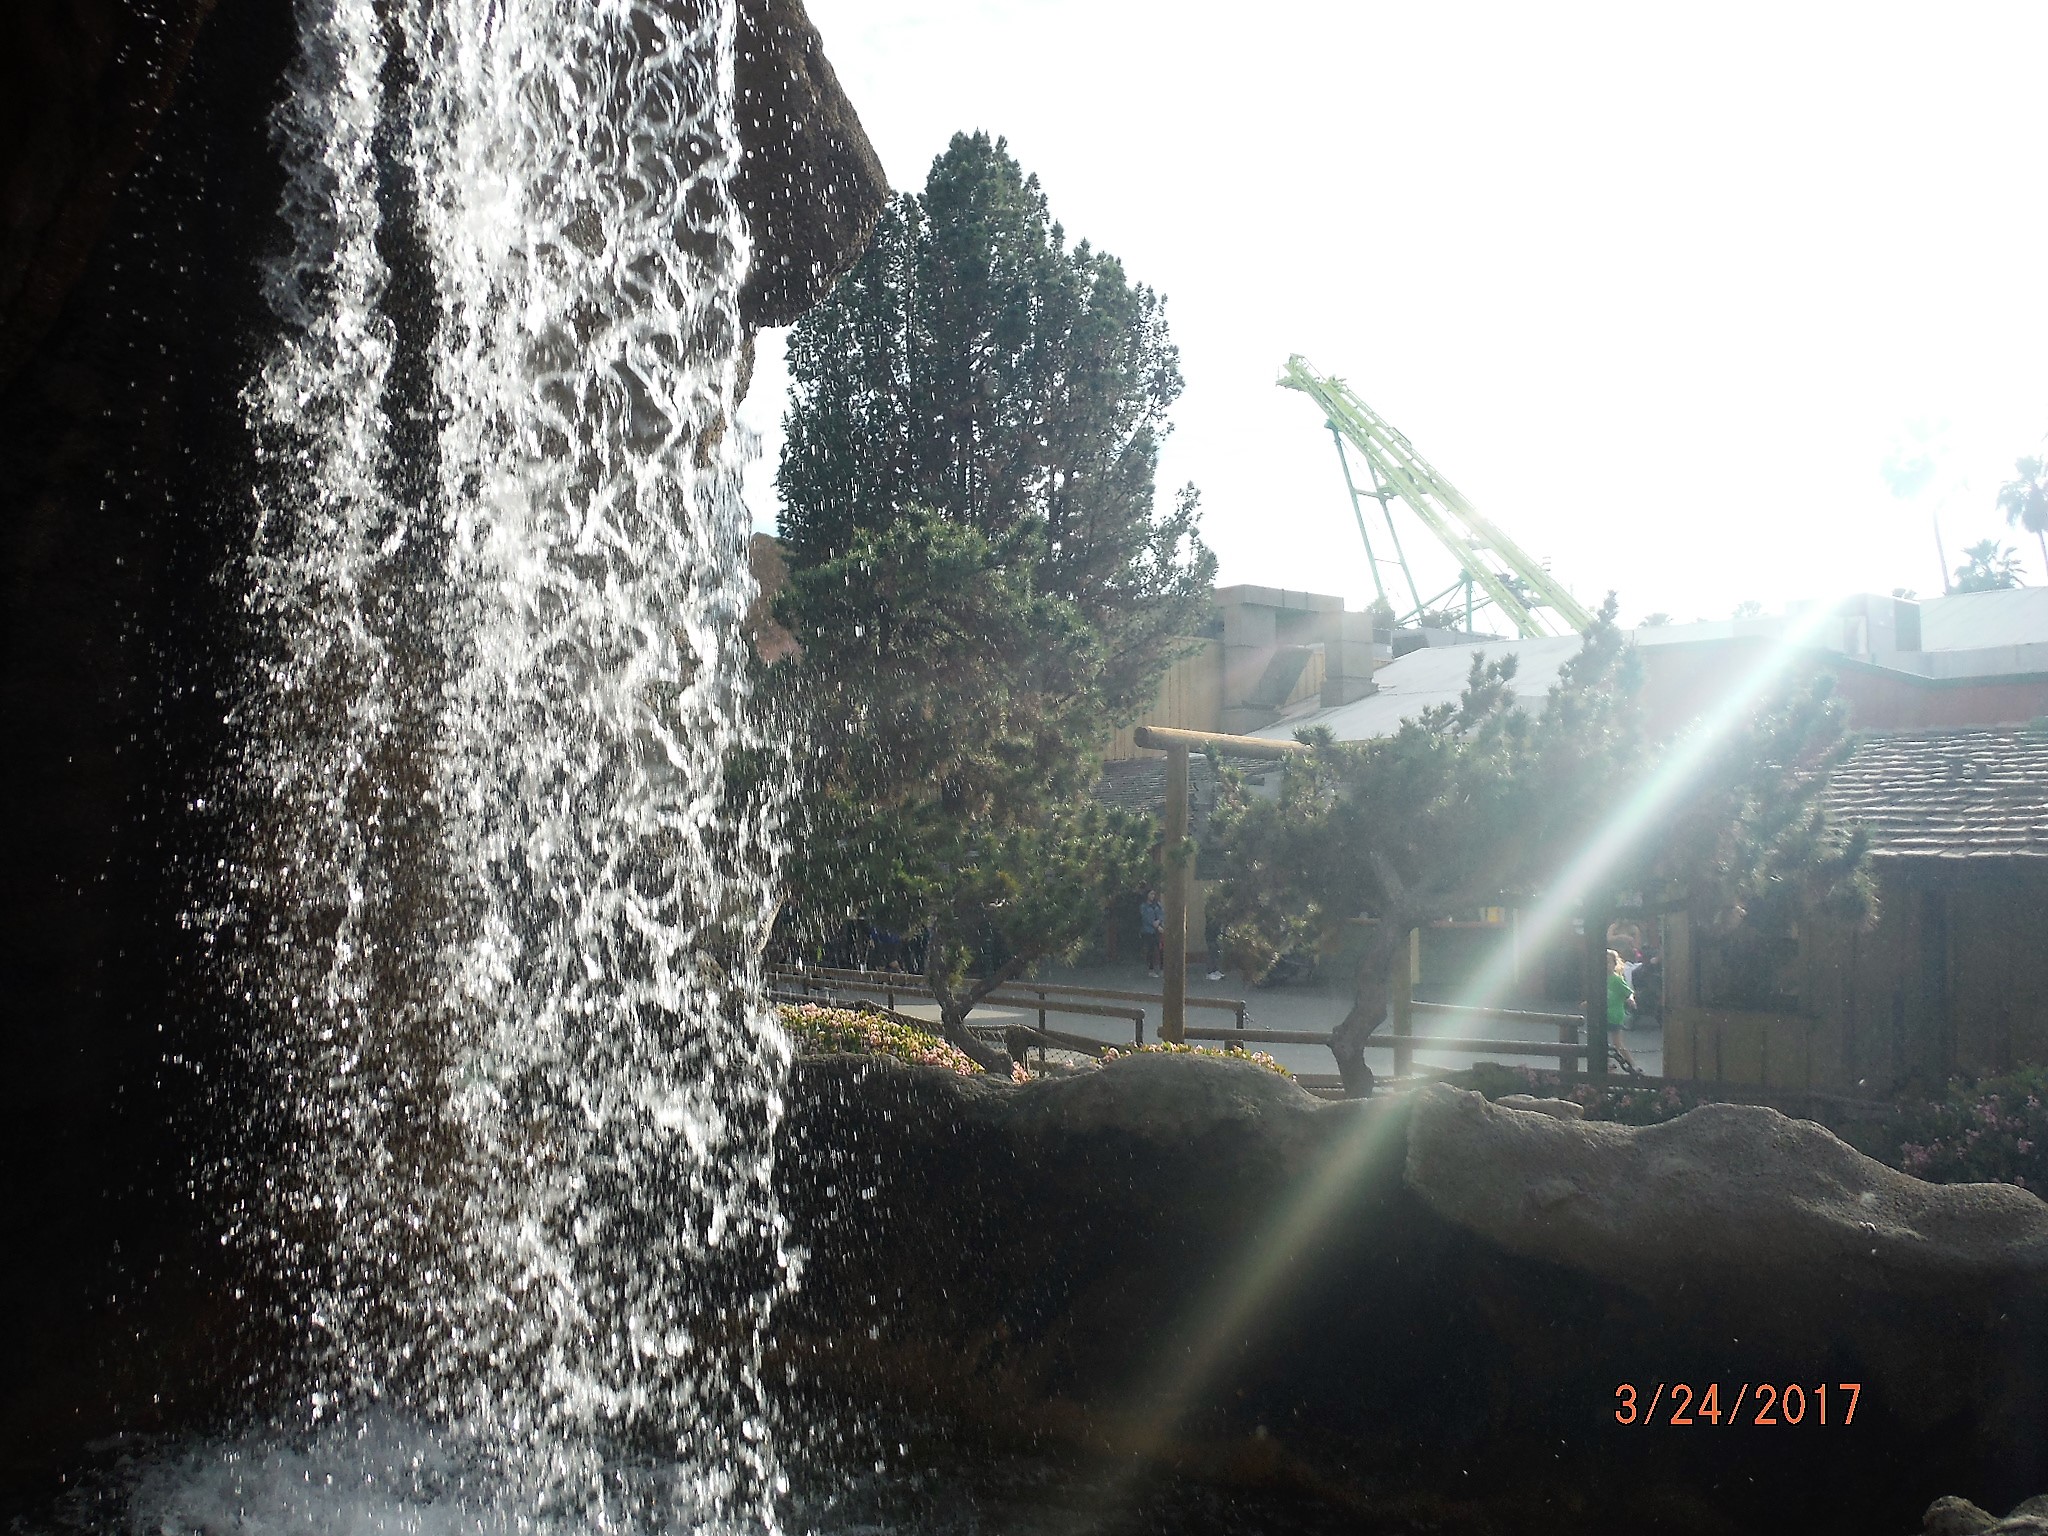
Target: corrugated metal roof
[(1435, 675), (1953, 794), (1981, 621)]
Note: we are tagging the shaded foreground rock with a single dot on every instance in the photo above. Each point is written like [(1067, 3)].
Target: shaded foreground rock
[(1959, 1517), (1423, 1304)]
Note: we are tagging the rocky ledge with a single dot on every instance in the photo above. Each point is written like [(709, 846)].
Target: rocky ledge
[(1427, 1306)]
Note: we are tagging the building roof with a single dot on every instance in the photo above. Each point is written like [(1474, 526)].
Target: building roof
[(1980, 621), (1434, 675), (1948, 794)]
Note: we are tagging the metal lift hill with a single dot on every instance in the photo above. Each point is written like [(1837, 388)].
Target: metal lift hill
[(1522, 591)]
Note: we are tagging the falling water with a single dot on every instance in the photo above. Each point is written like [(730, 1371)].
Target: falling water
[(508, 902)]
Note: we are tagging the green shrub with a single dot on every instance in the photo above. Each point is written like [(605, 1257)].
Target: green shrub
[(1229, 1053), (819, 1029)]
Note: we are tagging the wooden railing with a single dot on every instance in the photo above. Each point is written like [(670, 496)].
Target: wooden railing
[(822, 983), (1403, 1044)]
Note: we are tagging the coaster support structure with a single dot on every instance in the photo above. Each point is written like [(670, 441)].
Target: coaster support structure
[(1523, 591)]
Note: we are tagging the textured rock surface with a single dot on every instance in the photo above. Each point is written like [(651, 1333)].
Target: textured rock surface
[(84, 85), (1426, 1303), (1952, 1516), (810, 184)]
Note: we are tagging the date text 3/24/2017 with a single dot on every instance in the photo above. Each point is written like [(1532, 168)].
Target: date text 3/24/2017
[(1759, 1404)]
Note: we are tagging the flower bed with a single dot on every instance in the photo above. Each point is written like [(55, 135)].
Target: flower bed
[(817, 1028), (1229, 1053), (1989, 1130)]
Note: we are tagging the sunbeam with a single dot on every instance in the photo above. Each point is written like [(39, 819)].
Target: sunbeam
[(1663, 788)]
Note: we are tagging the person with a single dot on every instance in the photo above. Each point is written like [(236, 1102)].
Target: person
[(1152, 926), (1620, 996), (1648, 982)]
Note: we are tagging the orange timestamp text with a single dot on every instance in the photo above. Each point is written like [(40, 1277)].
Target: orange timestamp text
[(1765, 1404)]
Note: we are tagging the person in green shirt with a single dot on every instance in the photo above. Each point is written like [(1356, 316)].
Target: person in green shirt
[(1619, 994)]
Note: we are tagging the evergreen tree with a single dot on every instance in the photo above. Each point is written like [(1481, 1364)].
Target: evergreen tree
[(980, 581), (975, 367)]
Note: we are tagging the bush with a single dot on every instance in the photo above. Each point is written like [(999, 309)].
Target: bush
[(822, 1030), (1229, 1053), (1989, 1130)]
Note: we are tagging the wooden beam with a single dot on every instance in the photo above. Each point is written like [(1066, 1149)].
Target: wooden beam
[(1595, 969), (1160, 738), (1407, 971), (1176, 874)]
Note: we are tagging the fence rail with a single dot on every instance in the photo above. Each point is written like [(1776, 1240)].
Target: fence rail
[(818, 986), (822, 983), (1393, 1042), (917, 986)]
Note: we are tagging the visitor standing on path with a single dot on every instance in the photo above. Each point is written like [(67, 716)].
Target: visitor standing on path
[(1152, 926), (1620, 995)]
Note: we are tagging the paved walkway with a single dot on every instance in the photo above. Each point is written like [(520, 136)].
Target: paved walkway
[(1316, 1008)]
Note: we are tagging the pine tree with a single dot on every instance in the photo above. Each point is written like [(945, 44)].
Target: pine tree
[(975, 367), (980, 578)]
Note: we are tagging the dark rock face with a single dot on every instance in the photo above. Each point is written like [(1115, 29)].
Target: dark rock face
[(1422, 1304), (810, 185), (83, 84), (139, 191), (119, 432)]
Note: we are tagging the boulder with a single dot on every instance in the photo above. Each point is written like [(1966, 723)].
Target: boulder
[(1952, 1516), (1424, 1302), (1558, 1109)]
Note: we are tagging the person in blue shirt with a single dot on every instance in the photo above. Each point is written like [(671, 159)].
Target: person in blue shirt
[(1152, 926)]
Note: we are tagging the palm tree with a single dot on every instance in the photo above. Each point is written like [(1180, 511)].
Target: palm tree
[(1987, 568), (2024, 501)]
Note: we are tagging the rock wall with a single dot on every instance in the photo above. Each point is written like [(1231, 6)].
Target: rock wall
[(138, 189), (1423, 1305)]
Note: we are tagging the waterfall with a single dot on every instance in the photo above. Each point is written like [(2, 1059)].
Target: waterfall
[(510, 863)]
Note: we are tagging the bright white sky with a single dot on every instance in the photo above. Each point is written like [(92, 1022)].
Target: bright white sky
[(1659, 287)]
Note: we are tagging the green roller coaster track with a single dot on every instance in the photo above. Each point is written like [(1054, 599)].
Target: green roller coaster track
[(1521, 591)]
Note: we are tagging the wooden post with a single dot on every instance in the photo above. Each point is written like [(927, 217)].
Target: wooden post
[(1596, 996), (1407, 973), (1175, 875), (1178, 875)]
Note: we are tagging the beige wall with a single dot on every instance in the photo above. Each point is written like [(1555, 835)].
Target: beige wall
[(1190, 699)]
